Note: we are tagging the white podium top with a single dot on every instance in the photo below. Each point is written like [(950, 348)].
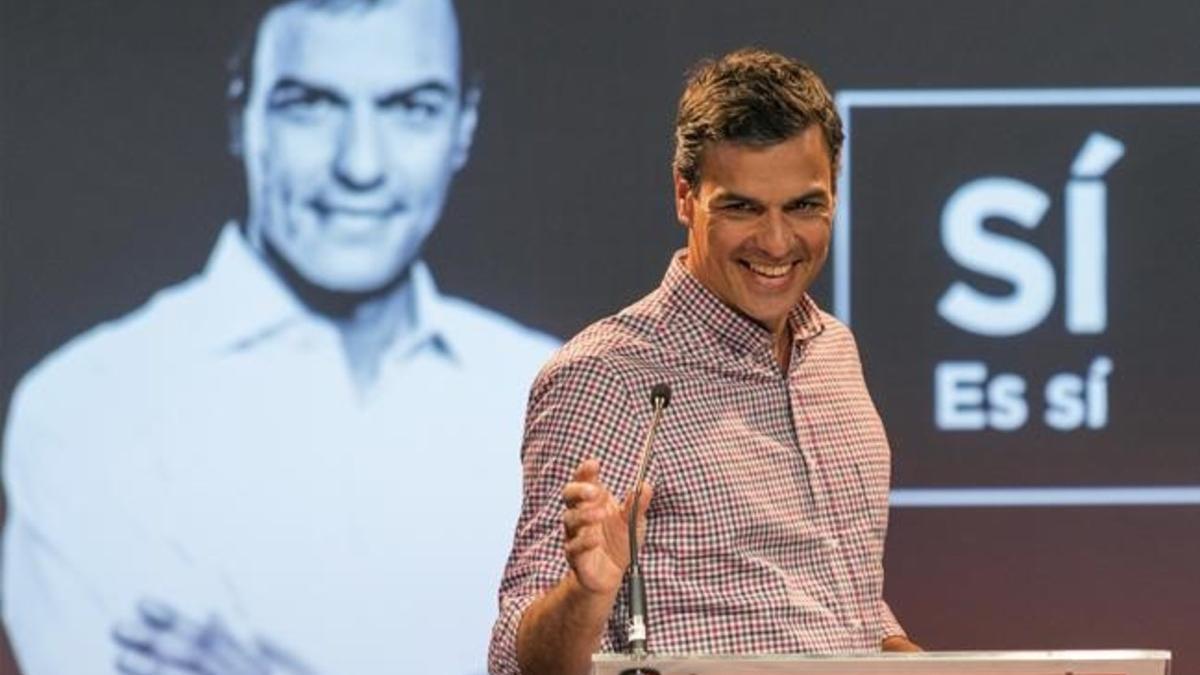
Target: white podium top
[(1072, 662)]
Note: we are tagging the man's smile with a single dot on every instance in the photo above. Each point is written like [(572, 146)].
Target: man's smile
[(773, 271), (326, 209)]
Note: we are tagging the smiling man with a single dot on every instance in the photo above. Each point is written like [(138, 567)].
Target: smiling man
[(765, 529), (247, 474), (759, 226)]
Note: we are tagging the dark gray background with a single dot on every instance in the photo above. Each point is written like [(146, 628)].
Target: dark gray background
[(114, 180)]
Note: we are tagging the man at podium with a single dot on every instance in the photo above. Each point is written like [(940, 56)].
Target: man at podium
[(766, 506)]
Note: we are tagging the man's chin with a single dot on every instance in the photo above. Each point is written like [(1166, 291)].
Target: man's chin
[(769, 312), (352, 284), (352, 275)]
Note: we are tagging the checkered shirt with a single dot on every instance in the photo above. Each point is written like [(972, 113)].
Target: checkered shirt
[(765, 533)]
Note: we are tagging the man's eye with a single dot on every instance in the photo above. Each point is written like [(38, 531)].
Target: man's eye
[(302, 103), (809, 206), (415, 110)]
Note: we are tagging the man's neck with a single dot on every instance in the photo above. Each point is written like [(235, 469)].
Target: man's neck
[(371, 329), (368, 323)]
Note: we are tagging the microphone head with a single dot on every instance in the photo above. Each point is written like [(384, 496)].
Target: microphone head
[(660, 392)]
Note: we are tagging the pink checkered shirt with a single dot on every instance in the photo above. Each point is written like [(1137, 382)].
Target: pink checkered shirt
[(766, 530)]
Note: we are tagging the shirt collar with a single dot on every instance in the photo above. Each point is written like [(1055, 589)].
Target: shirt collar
[(732, 328), (252, 303), (431, 323)]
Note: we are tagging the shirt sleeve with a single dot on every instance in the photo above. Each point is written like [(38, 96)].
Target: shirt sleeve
[(889, 625), (82, 546), (577, 409), (49, 598)]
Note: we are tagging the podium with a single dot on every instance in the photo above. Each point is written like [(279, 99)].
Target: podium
[(1073, 662)]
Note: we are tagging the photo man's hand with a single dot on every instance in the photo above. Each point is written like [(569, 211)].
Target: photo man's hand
[(160, 640)]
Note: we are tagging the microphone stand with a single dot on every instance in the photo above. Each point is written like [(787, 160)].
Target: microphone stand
[(660, 397)]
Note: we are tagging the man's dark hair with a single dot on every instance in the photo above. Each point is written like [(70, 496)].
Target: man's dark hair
[(755, 97), (241, 61)]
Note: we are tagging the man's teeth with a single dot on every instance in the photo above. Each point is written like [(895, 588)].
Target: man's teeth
[(769, 270)]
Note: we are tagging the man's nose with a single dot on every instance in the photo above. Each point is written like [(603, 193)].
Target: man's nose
[(359, 164), (775, 237)]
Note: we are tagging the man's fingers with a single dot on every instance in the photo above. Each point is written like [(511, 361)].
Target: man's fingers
[(134, 635), (137, 663), (280, 657), (228, 657), (579, 518), (575, 493), (588, 471), (180, 651), (156, 613), (220, 653), (583, 541)]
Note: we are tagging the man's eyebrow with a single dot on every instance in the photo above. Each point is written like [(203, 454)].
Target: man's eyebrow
[(309, 89), (725, 197), (816, 193), (407, 94), (820, 194)]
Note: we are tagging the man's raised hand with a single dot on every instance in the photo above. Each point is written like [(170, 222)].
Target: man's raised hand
[(596, 524)]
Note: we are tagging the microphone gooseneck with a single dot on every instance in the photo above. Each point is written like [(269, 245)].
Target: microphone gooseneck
[(660, 398)]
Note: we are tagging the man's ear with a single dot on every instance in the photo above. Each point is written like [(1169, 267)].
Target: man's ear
[(233, 126), (685, 203), (468, 119), (235, 108)]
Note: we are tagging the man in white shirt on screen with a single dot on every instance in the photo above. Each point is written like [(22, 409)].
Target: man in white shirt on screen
[(247, 474)]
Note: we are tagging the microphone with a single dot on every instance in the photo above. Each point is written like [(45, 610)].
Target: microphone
[(660, 397)]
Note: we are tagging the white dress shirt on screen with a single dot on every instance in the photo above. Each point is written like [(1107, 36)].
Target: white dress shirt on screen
[(211, 451)]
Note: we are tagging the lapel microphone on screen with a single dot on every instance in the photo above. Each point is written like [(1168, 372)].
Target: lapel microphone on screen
[(660, 397)]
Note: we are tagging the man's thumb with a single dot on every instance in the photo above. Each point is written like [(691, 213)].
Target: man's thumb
[(643, 502)]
